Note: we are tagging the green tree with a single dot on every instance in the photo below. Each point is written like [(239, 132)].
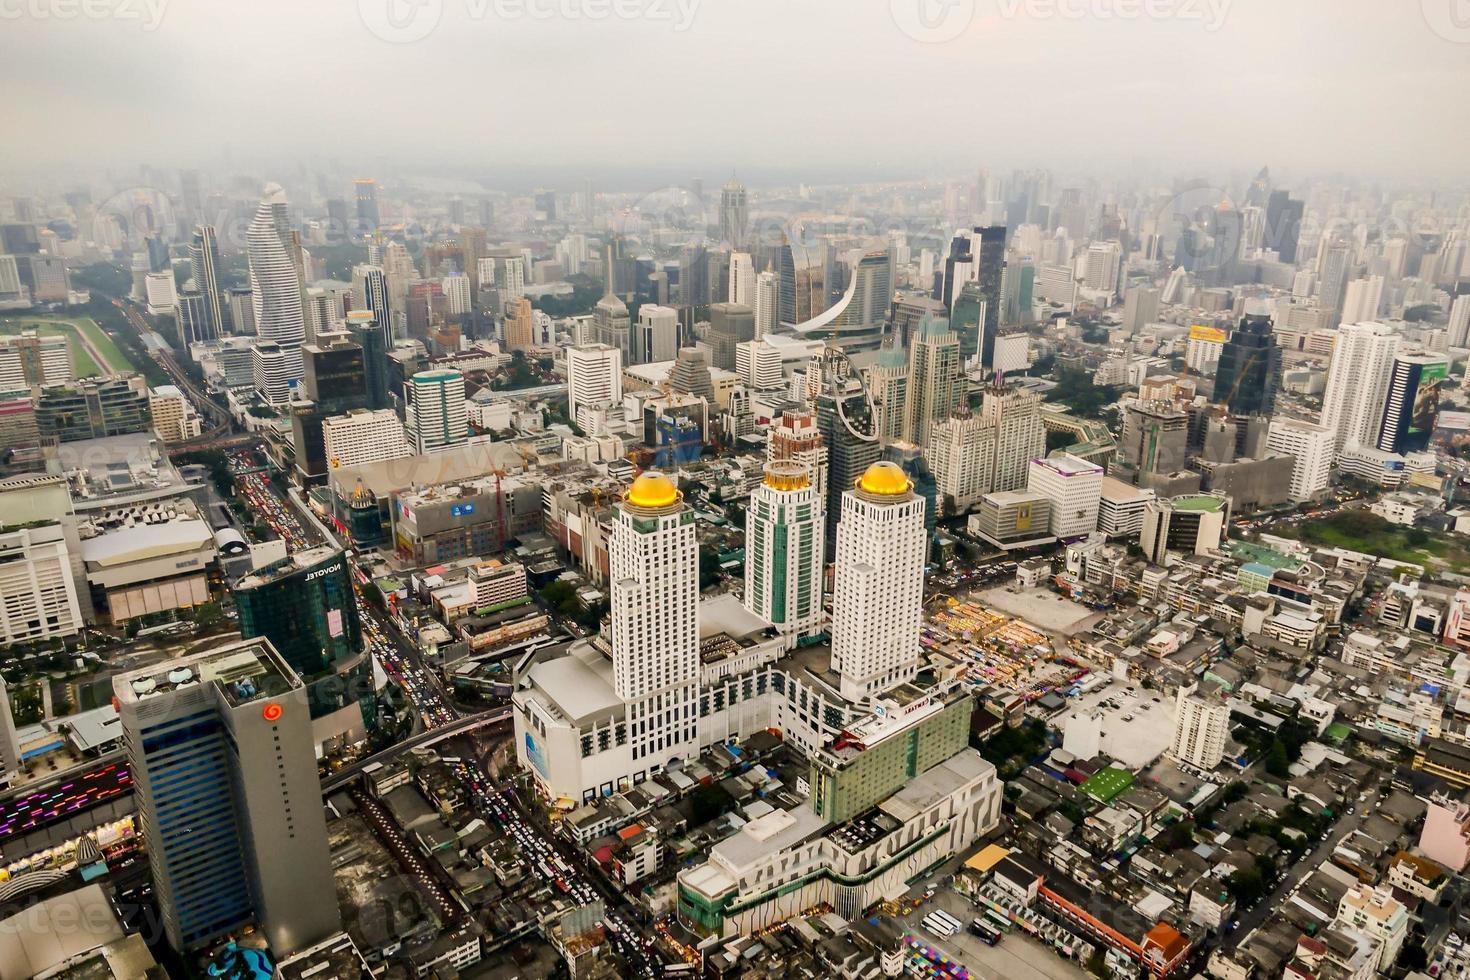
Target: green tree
[(1277, 763)]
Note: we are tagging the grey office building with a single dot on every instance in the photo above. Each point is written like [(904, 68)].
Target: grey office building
[(221, 753)]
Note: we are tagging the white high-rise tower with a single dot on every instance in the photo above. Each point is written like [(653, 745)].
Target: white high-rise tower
[(783, 550), (1357, 382), (742, 279), (276, 288), (878, 591), (654, 564)]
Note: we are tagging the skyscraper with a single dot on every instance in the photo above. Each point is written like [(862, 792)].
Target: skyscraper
[(519, 324), (767, 304), (656, 335), (878, 589), (1200, 730), (334, 380), (742, 279), (1357, 382), (436, 409), (849, 440), (276, 287), (989, 248), (1074, 488), (784, 550), (936, 385), (1412, 401), (786, 283), (1019, 435), (368, 217), (888, 380), (729, 324), (220, 748), (734, 213), (654, 570), (610, 326), (1283, 225), (594, 379), (796, 436), (1311, 449), (204, 267), (370, 292), (1249, 370), (1362, 299)]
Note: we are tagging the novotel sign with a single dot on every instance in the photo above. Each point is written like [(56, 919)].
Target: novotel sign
[(324, 571)]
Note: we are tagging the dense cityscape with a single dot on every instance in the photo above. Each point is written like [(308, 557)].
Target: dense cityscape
[(1000, 562)]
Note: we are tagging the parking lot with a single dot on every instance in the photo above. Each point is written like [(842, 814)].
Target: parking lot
[(1136, 728), (1015, 957)]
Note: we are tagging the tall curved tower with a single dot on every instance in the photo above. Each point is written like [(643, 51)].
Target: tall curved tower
[(276, 284)]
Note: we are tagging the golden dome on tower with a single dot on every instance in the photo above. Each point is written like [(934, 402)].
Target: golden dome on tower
[(652, 490), (885, 479)]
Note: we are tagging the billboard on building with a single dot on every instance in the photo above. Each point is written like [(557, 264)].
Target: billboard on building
[(1426, 397), (1213, 335)]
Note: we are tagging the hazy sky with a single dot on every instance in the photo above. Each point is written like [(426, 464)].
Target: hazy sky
[(833, 88)]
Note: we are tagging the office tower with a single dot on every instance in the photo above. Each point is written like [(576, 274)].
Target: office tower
[(850, 448), (204, 267), (1249, 371), (610, 326), (370, 292), (544, 203), (594, 379), (1193, 524), (690, 374), (456, 290), (1201, 727), (734, 214), (1412, 401), (742, 279), (653, 558), (1334, 266), (363, 436), (758, 364), (1311, 449), (729, 324), (436, 409), (174, 418), (31, 361), (798, 436), (910, 459), (1362, 300), (784, 550), (1140, 308), (93, 409), (38, 596), (989, 248), (1457, 333), (193, 318), (968, 320), (878, 587), (936, 384), (1074, 488), (160, 293), (304, 605), (656, 337), (13, 292), (224, 769), (242, 311), (334, 380), (47, 278), (1019, 435), (504, 269), (1283, 225), (363, 329), (368, 217), (276, 287), (961, 452), (519, 324), (1104, 267), (1357, 382), (399, 274), (785, 283), (1155, 438), (768, 304), (888, 382)]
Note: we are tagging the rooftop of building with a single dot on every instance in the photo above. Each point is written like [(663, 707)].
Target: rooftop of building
[(243, 671), (140, 542), (1201, 503), (292, 563)]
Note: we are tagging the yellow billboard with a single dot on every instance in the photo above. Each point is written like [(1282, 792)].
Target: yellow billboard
[(1213, 335)]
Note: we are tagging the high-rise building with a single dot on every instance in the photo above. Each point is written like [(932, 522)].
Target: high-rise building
[(277, 287), (1458, 330), (767, 303), (729, 324), (1357, 382), (32, 361), (370, 292), (1104, 267), (368, 216), (656, 335), (363, 436), (610, 326), (1155, 438), (850, 447), (936, 384), (798, 436), (1249, 371), (1019, 435), (220, 749), (1074, 488), (1334, 266), (363, 328), (1193, 524), (734, 214), (1140, 308), (1412, 401), (784, 550), (654, 573), (878, 588), (759, 365), (519, 324), (968, 320), (334, 380), (174, 418), (742, 279), (38, 596), (1362, 300), (1201, 728), (888, 381), (437, 416), (961, 452), (594, 378), (1283, 225), (204, 268), (1311, 449)]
